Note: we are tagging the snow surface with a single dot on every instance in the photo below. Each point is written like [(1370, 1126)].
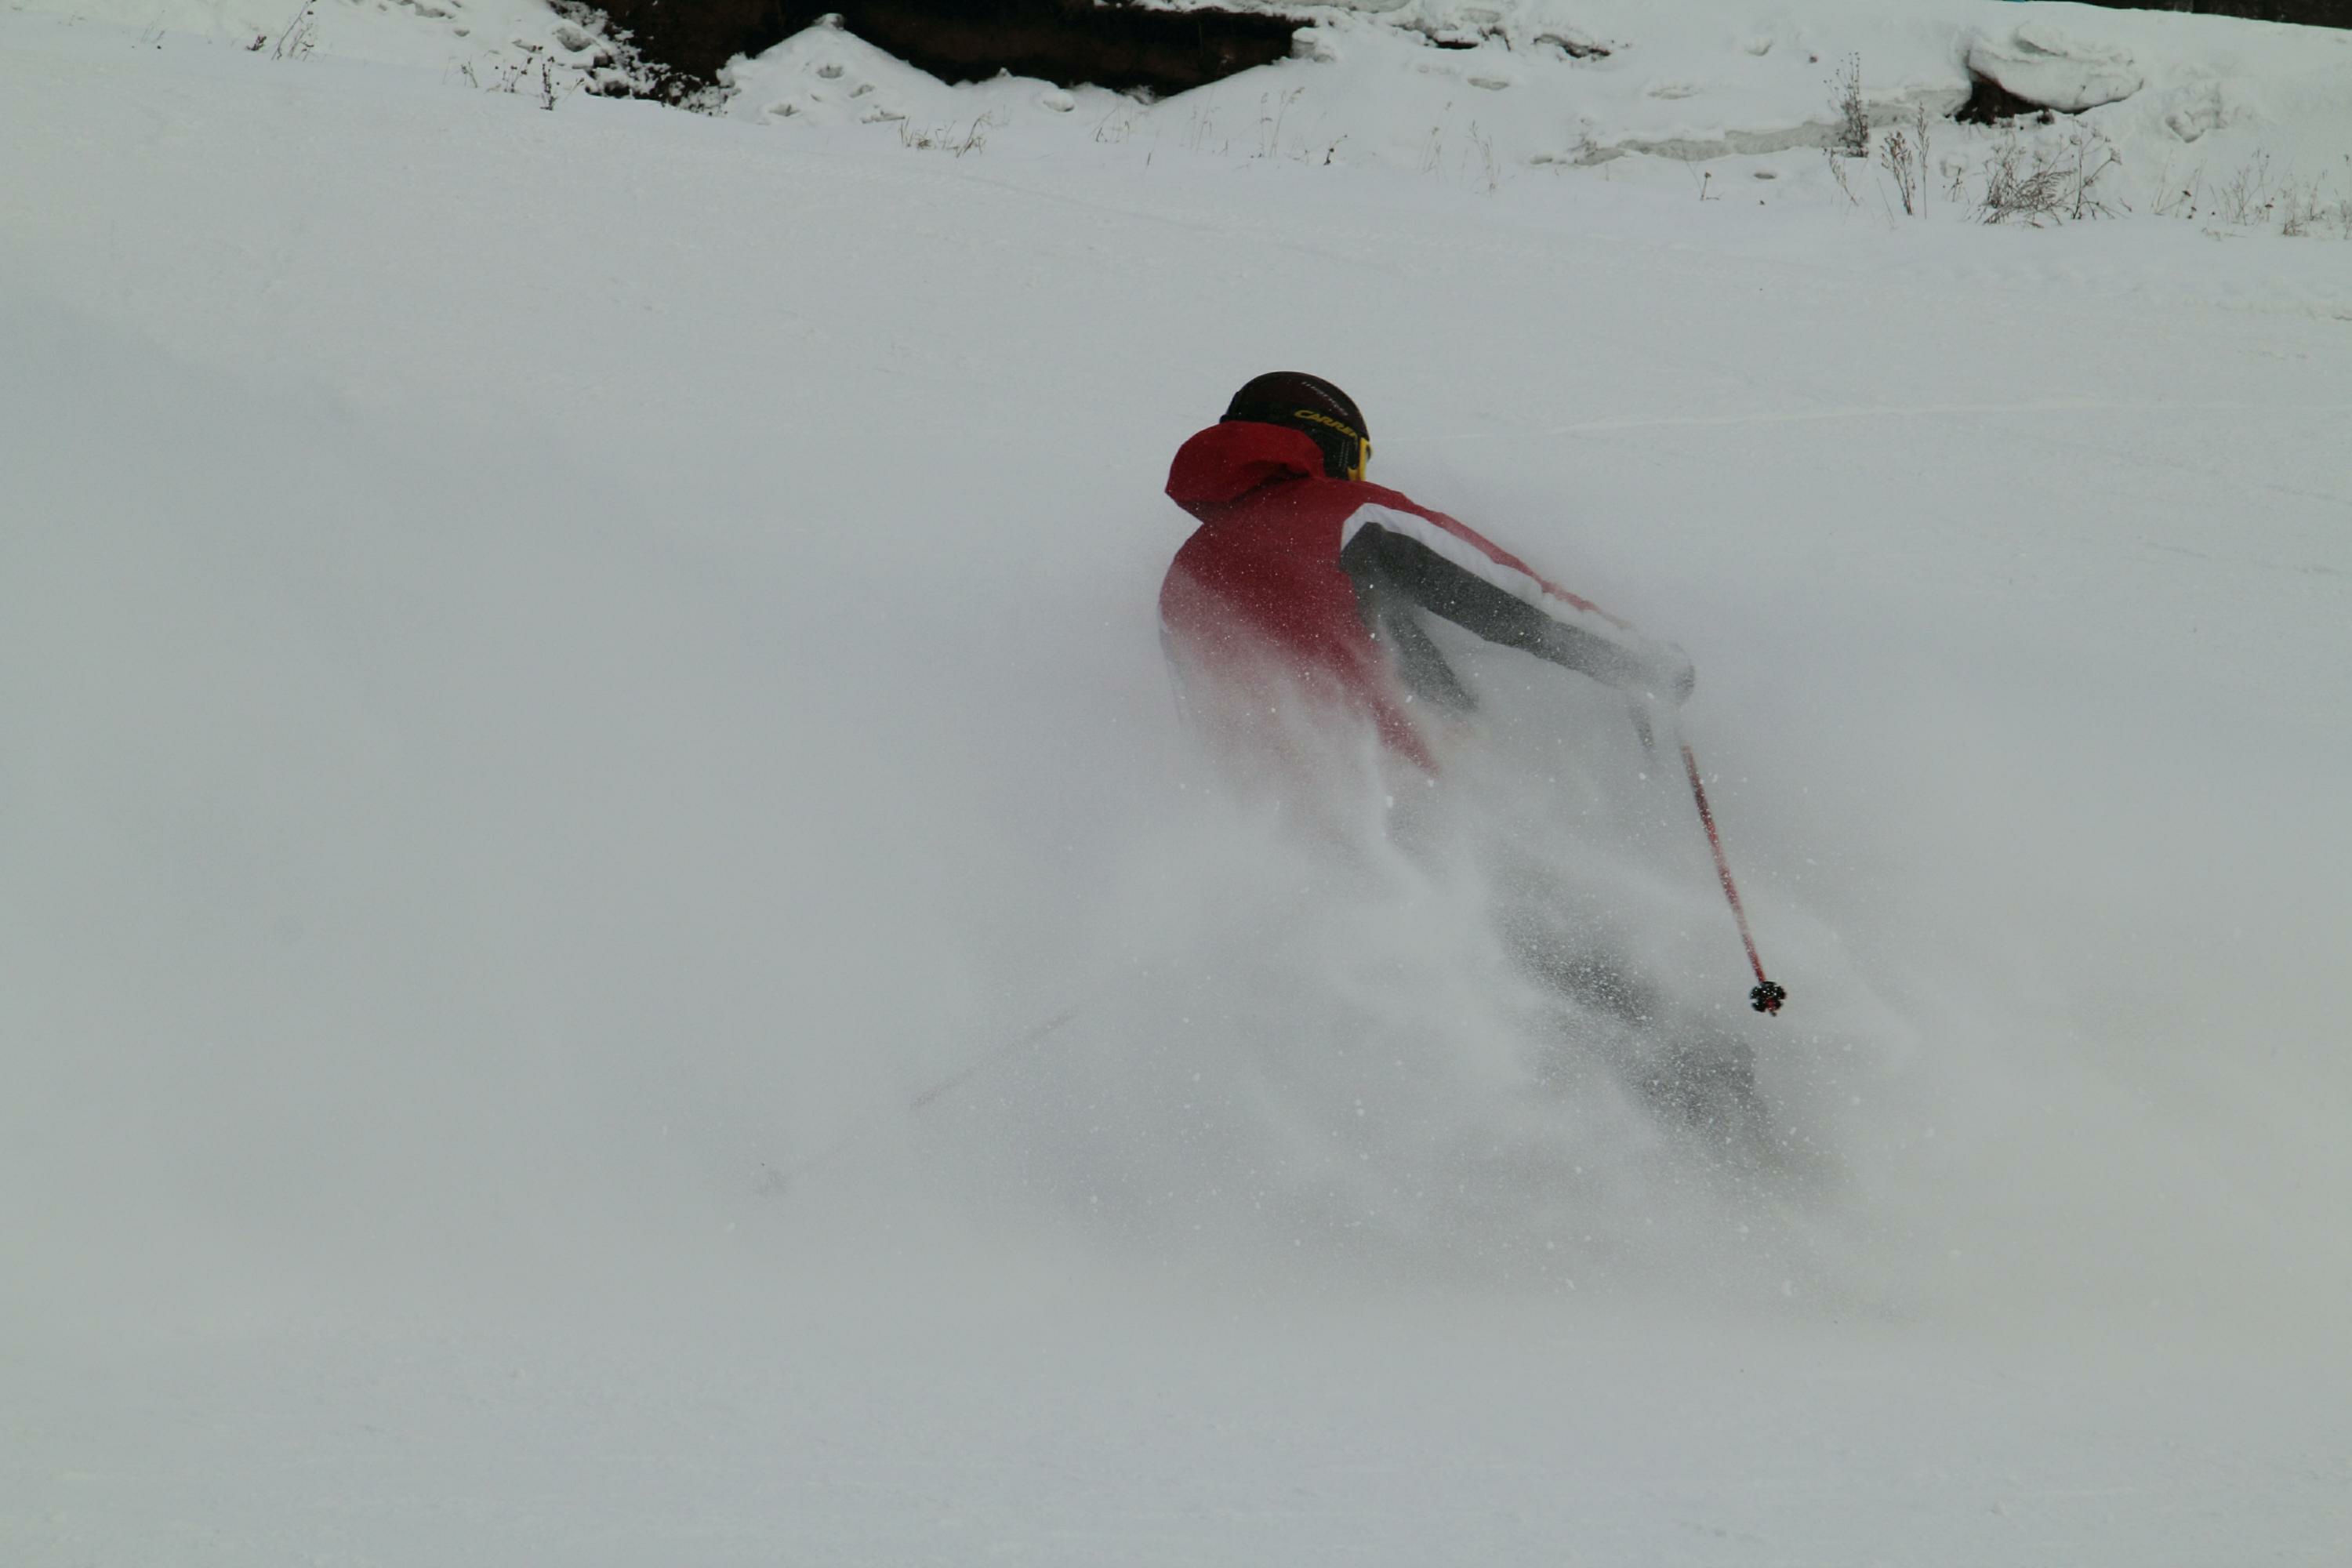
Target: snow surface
[(556, 664)]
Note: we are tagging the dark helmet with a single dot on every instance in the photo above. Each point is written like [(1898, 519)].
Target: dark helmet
[(1312, 405)]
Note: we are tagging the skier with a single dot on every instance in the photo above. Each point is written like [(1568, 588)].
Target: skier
[(1300, 598), (1305, 575)]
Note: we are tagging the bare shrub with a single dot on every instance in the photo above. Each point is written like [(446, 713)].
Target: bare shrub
[(1852, 136), (1489, 169), (1271, 111), (1904, 161), (2252, 196), (2307, 209), (517, 77), (2033, 184), (2094, 156), (1920, 129), (2021, 184), (944, 138), (2177, 198), (2300, 209), (2246, 197), (1202, 126)]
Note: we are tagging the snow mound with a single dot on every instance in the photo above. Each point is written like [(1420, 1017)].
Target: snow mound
[(2043, 64)]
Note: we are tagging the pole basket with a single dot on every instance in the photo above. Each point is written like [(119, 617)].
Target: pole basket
[(1767, 996)]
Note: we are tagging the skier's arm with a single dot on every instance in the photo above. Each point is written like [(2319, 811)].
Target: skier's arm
[(1443, 588)]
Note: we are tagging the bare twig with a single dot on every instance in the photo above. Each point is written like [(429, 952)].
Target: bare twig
[(2245, 196), (1837, 173), (1919, 125), (300, 35)]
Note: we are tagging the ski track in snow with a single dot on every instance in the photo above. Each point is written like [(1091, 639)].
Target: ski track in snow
[(556, 664)]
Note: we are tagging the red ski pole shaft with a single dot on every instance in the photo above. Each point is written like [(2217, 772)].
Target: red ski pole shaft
[(1767, 995)]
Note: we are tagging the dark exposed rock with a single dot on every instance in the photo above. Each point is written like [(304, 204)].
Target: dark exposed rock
[(1112, 44), (1989, 102), (1575, 45)]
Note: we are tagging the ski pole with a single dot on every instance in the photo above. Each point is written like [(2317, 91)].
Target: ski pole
[(1767, 995), (777, 1181), (961, 1076)]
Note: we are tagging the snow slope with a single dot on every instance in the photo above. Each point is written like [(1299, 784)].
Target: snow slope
[(553, 664)]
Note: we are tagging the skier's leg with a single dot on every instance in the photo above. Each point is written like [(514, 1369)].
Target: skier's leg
[(1694, 1070), (1570, 952)]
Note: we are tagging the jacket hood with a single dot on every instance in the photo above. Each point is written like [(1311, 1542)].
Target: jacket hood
[(1228, 460)]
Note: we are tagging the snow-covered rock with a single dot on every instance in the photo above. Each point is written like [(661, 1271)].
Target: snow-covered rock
[(2042, 64)]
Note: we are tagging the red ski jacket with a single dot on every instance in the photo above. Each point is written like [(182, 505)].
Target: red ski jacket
[(1319, 581)]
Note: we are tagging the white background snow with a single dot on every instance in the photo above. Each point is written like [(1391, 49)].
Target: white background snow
[(555, 664)]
